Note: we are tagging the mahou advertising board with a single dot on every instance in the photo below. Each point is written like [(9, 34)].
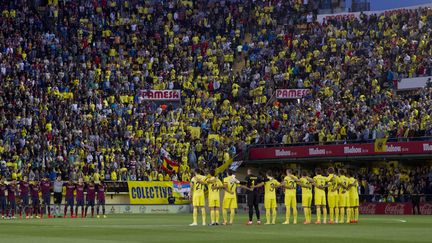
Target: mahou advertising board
[(340, 150)]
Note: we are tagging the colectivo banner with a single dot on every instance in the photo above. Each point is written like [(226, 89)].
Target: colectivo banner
[(341, 150), (157, 192)]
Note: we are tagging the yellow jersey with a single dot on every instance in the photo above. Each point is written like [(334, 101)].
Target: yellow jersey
[(290, 181), (214, 192), (343, 180), (305, 181), (269, 191), (231, 191), (333, 183), (353, 190), (319, 181), (198, 189)]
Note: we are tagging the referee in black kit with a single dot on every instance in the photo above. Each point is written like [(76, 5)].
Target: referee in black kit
[(252, 196)]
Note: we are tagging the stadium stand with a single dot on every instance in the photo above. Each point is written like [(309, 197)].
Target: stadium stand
[(74, 75)]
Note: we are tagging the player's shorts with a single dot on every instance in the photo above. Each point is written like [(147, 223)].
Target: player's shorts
[(46, 198), (270, 203), (333, 199), (229, 203), (306, 200), (3, 203), (58, 197), (90, 202), (290, 200), (343, 200), (70, 202), (35, 201), (320, 198), (25, 201), (354, 201), (198, 201), (213, 203), (80, 202), (252, 199), (101, 201)]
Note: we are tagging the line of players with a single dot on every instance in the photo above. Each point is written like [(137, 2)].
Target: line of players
[(342, 196), (17, 194)]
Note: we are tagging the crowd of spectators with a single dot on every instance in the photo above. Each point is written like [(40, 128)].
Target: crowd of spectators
[(396, 184), (73, 73), (378, 182)]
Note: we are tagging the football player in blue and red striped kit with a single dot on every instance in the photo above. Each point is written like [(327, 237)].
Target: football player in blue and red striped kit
[(24, 194), (90, 189), (34, 193), (101, 187), (79, 197), (12, 190), (45, 186), (3, 204), (69, 198)]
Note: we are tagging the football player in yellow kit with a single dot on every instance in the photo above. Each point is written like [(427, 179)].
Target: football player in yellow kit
[(290, 185), (197, 193), (214, 187), (306, 186), (230, 184), (332, 195), (270, 185), (319, 182), (343, 197), (353, 195)]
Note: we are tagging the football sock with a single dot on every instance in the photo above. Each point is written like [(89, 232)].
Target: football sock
[(288, 214), (225, 215), (203, 214), (274, 215), (217, 215), (336, 214), (212, 216), (268, 215), (232, 215), (356, 214), (342, 215), (318, 213), (295, 214), (331, 214), (195, 215), (325, 214), (306, 214), (348, 214), (257, 211)]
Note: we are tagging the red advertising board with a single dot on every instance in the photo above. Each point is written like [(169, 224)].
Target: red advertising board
[(291, 93), (152, 94), (394, 208), (339, 150)]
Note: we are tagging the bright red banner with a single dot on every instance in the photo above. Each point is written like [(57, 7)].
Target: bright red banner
[(394, 208), (340, 150)]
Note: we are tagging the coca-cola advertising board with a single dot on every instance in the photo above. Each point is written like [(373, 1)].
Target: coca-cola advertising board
[(340, 150), (394, 208)]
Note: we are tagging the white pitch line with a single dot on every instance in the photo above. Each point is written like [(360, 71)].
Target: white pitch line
[(384, 219)]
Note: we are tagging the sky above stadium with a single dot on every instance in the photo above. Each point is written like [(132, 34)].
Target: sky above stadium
[(388, 4)]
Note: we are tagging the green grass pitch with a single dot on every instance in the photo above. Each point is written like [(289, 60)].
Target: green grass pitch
[(174, 228)]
